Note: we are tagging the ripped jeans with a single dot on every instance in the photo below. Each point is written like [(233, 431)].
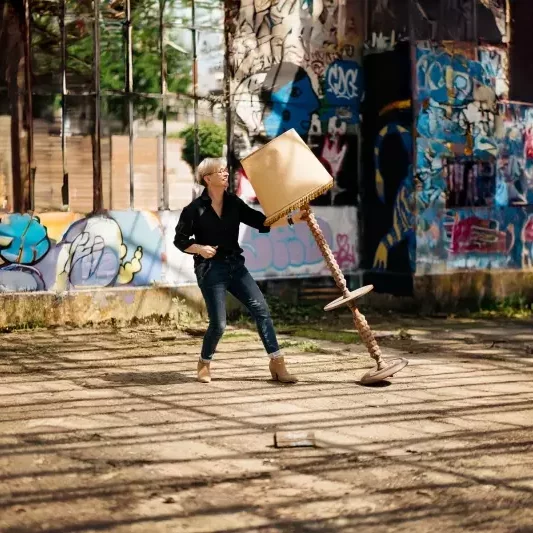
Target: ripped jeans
[(215, 278)]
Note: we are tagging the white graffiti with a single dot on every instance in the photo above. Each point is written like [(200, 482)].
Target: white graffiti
[(343, 83), (93, 255), (315, 132), (334, 148), (267, 32), (248, 104), (381, 43)]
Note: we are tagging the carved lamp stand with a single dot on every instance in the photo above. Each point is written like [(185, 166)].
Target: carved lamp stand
[(286, 176)]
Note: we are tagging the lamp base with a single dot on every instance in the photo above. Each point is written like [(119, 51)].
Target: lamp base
[(389, 369), (384, 369), (354, 295)]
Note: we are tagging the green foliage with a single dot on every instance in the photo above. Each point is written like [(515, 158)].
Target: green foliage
[(296, 313), (146, 43), (513, 306), (302, 346), (324, 334), (211, 140)]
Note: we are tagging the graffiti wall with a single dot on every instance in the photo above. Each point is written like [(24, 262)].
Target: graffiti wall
[(67, 251), (388, 232), (458, 87), (61, 252), (430, 128), (298, 65), (474, 162), (292, 251)]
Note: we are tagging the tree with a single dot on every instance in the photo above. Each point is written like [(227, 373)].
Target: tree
[(211, 140), (47, 19)]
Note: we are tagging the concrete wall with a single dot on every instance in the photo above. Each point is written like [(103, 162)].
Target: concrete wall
[(70, 256), (292, 65), (448, 159), (298, 65), (61, 252)]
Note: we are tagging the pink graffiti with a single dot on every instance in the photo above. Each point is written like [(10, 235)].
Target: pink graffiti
[(474, 234), (528, 230), (283, 248), (333, 155), (528, 145), (345, 254), (244, 187), (334, 149)]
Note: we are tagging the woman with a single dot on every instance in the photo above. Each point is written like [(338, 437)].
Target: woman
[(214, 219)]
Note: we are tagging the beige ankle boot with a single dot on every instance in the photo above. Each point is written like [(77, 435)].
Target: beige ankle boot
[(279, 371), (204, 372)]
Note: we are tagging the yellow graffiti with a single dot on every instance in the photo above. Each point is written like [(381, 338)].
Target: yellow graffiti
[(128, 269), (400, 226), (399, 105)]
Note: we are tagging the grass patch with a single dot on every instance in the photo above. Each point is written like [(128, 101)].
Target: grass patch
[(284, 344), (514, 306), (321, 334), (302, 346), (287, 313), (239, 335)]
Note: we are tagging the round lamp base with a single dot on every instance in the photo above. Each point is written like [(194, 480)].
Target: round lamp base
[(392, 367), (354, 295)]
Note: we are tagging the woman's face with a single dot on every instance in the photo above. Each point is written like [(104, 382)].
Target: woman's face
[(218, 179)]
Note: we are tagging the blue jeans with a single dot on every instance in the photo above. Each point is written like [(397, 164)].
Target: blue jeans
[(215, 278)]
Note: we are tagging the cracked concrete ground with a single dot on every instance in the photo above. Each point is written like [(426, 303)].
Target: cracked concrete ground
[(107, 430)]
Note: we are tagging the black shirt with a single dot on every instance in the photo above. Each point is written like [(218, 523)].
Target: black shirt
[(200, 219)]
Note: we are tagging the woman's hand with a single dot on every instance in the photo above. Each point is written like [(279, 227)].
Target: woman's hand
[(207, 252)]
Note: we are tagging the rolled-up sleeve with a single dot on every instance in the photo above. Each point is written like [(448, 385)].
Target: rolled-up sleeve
[(253, 218), (184, 230)]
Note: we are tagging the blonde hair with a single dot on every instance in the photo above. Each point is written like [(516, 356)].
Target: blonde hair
[(209, 165)]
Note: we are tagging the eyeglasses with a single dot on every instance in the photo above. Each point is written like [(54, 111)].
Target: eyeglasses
[(222, 171)]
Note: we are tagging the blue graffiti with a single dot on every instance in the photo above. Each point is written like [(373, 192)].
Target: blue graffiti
[(433, 68), (23, 239), (290, 99), (21, 278), (307, 4), (439, 123), (344, 83), (515, 165), (344, 91), (429, 162), (433, 123)]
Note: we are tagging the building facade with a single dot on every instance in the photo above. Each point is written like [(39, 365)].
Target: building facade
[(410, 105), (448, 159)]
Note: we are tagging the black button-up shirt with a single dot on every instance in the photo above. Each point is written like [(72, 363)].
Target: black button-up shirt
[(200, 219)]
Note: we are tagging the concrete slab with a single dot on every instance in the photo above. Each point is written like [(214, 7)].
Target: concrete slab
[(107, 430)]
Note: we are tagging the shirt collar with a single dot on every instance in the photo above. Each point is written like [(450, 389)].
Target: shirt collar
[(205, 196), (207, 199)]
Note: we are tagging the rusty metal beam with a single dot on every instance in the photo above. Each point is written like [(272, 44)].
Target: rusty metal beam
[(129, 91), (13, 51), (97, 129), (164, 199), (195, 83), (227, 97), (65, 196), (29, 104)]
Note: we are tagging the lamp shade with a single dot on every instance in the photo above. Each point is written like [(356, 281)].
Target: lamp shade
[(285, 175)]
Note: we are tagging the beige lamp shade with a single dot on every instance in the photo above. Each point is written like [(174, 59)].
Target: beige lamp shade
[(285, 175)]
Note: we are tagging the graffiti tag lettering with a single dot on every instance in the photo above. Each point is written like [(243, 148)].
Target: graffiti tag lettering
[(343, 81)]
